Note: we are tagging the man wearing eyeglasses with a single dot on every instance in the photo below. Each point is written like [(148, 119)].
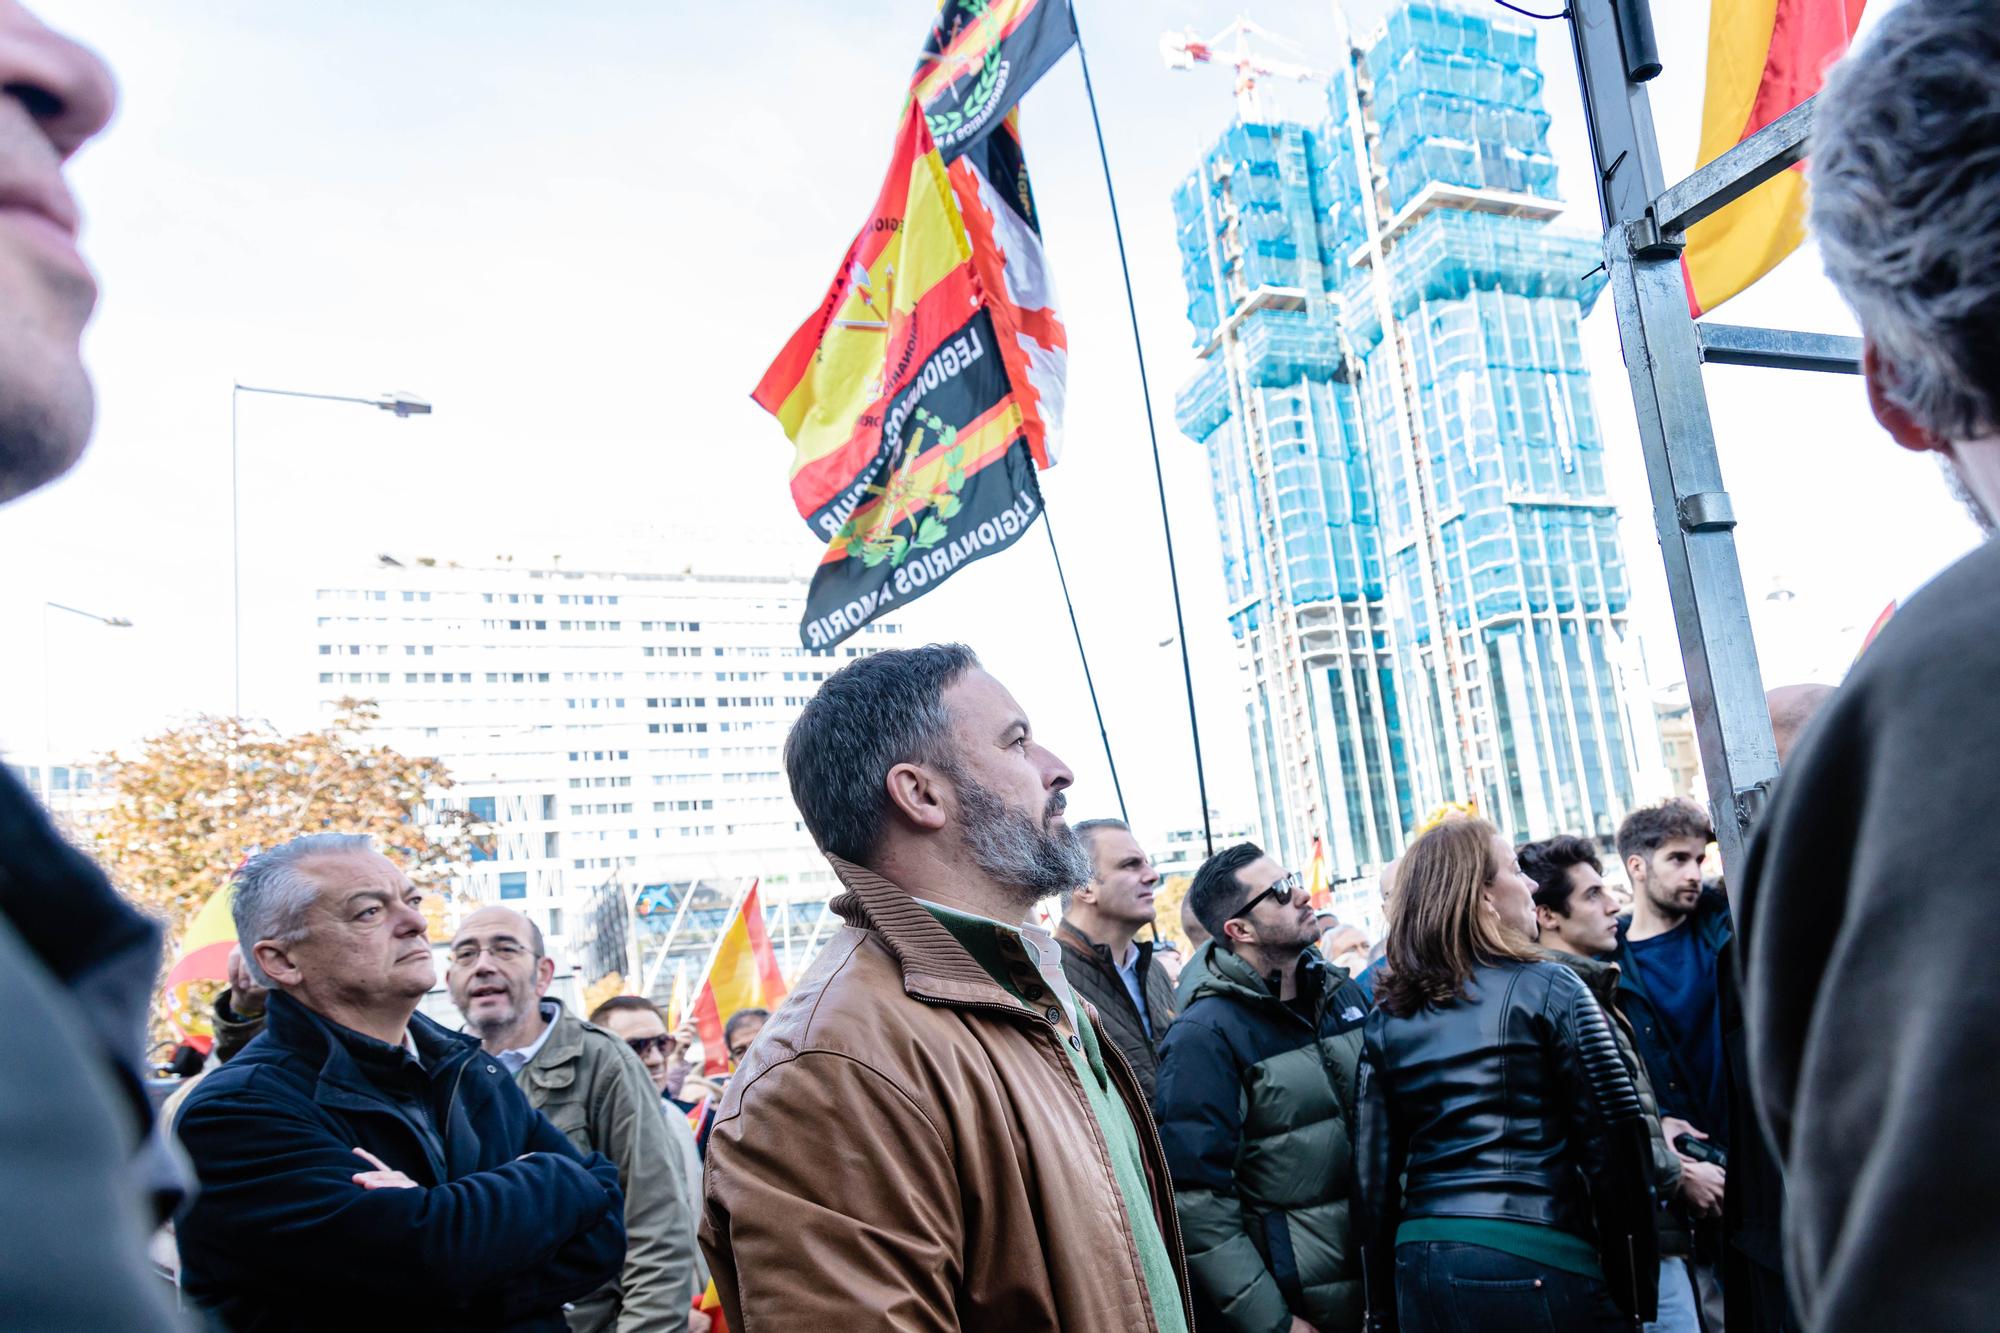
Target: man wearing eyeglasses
[(1257, 1090), (593, 1088)]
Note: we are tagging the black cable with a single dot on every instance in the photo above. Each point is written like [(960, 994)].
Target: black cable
[(1152, 433), (1531, 14), (1083, 657)]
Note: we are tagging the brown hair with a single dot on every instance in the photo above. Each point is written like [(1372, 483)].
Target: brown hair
[(1439, 927), (637, 1004)]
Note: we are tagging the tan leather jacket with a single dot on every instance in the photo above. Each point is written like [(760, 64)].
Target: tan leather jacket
[(907, 1147)]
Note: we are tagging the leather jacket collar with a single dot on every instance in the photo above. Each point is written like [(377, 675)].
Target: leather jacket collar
[(934, 967)]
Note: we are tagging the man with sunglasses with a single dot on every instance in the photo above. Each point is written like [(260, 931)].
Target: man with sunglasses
[(1256, 1104), (592, 1086)]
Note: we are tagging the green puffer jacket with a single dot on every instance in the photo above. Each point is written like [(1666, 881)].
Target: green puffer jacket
[(1256, 1111)]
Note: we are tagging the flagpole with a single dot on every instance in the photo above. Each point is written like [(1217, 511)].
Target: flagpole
[(1152, 433), (673, 933), (1084, 657)]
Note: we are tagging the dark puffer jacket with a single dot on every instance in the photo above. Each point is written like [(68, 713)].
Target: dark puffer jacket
[(1095, 977), (1256, 1110)]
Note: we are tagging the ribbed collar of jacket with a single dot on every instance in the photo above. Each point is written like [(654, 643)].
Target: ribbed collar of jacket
[(935, 966)]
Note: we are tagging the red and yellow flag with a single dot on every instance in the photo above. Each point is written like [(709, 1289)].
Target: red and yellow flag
[(1764, 58), (1319, 894), (204, 956), (904, 285), (710, 1304), (742, 974)]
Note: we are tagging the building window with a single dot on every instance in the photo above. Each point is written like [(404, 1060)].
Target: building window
[(514, 884), (481, 808)]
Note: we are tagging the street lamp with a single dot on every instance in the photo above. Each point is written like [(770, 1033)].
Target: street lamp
[(48, 726), (403, 404)]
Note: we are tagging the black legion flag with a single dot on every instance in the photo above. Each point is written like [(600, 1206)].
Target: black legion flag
[(966, 395), (963, 486), (980, 57)]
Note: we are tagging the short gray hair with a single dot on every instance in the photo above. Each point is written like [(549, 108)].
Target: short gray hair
[(1088, 831), (272, 894), (1905, 200)]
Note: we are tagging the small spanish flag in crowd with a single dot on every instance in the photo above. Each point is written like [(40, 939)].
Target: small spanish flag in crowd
[(1764, 58), (742, 974), (710, 1304)]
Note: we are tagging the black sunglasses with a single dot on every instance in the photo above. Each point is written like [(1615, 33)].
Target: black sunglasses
[(642, 1045), (1280, 893)]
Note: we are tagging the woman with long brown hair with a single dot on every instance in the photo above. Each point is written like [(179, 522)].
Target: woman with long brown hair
[(1502, 1155)]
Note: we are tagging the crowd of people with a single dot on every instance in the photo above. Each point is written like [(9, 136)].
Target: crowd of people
[(1552, 1099)]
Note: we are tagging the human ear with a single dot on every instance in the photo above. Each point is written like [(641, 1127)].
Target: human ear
[(916, 793), (276, 963), (1903, 428)]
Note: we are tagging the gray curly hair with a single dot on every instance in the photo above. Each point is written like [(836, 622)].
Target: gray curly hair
[(1905, 205)]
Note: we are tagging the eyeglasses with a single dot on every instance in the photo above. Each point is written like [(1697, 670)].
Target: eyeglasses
[(1280, 893), (645, 1046), (503, 951)]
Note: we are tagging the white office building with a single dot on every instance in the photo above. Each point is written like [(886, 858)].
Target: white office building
[(605, 724)]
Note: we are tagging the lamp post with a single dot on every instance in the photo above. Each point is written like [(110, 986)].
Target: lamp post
[(402, 404), (48, 711)]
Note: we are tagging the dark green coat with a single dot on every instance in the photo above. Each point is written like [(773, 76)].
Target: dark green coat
[(1257, 1112)]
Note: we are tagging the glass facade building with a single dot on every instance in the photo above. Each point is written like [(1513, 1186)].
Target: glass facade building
[(1419, 550)]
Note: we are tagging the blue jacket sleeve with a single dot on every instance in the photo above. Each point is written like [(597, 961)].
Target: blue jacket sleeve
[(588, 1259), (278, 1195)]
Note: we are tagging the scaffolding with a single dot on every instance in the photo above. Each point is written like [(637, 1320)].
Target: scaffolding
[(1664, 347)]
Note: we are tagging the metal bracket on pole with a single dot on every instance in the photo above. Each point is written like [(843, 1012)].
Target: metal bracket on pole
[(1777, 147), (1707, 511), (1779, 349)]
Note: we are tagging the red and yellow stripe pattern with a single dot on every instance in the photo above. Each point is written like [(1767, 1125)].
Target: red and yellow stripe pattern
[(1764, 58), (906, 277)]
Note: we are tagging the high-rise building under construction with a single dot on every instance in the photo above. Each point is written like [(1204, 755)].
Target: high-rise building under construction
[(1420, 554)]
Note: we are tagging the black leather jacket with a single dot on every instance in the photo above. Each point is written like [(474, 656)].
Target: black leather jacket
[(1512, 1104)]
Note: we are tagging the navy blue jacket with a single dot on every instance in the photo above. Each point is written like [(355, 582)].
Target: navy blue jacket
[(510, 1222), (1672, 1082)]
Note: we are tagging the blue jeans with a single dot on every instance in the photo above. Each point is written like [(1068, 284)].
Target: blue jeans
[(1677, 1309), (1444, 1287)]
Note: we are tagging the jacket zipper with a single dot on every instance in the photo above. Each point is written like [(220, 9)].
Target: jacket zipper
[(1152, 1137)]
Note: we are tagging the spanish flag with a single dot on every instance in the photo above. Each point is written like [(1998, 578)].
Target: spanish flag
[(743, 973), (904, 283), (204, 956), (1764, 58)]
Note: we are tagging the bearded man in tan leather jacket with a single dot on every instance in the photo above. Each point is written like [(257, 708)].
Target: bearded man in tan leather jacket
[(933, 1132)]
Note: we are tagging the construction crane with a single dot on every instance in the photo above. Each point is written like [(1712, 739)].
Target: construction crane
[(1185, 50)]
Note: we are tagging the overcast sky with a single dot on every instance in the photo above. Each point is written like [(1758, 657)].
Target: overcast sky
[(583, 230)]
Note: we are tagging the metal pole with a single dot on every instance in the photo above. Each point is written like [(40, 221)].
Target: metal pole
[(1152, 434), (235, 567), (48, 709), (1691, 509), (1089, 684)]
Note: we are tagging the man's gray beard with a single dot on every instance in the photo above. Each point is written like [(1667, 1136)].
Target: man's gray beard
[(1017, 851), (1954, 481)]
